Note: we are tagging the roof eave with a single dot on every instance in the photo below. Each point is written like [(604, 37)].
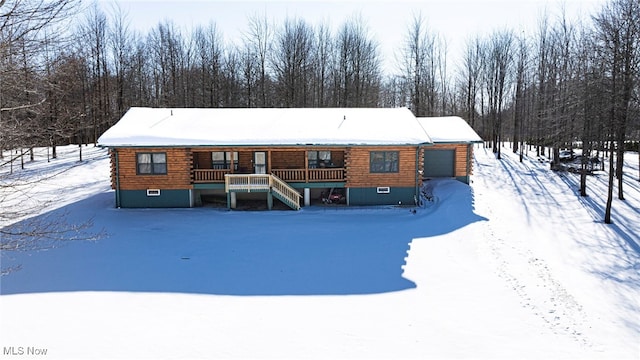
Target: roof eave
[(113, 146), (449, 142)]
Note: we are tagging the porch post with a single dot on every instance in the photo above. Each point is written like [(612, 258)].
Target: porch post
[(307, 197), (268, 169), (269, 200), (231, 161), (306, 166), (231, 200)]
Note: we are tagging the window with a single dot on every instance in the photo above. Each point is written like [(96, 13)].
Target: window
[(221, 160), (151, 163), (384, 162), (319, 158), (153, 192)]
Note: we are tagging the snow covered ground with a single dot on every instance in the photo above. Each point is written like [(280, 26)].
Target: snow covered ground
[(515, 266)]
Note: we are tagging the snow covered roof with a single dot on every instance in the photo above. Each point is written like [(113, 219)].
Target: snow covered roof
[(449, 129), (265, 126)]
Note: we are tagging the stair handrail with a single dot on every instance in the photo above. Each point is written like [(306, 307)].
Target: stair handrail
[(284, 189)]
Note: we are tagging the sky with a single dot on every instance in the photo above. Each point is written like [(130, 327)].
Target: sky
[(456, 21), (388, 21)]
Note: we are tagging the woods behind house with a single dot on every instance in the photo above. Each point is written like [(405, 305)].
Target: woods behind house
[(70, 71)]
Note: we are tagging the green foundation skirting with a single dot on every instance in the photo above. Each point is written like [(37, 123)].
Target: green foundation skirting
[(371, 196), (166, 199)]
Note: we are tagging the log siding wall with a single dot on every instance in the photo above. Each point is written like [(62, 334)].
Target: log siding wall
[(355, 159), (178, 176), (202, 160), (358, 160), (287, 159), (470, 159)]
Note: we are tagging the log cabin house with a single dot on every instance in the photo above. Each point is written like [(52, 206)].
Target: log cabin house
[(181, 157)]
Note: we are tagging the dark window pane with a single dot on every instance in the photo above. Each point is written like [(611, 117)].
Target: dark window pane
[(160, 168), (384, 161), (144, 168)]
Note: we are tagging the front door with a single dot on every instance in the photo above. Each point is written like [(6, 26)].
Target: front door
[(260, 162)]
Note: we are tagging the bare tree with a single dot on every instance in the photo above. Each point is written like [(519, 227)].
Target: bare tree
[(470, 78), (394, 93), (323, 60), (520, 100), (29, 76), (249, 75), (168, 52), (414, 65), (22, 19), (498, 73), (120, 45), (592, 105), (209, 55), (232, 80), (292, 63), (92, 38), (357, 78), (543, 54), (23, 25), (141, 79), (260, 37), (617, 26), (564, 102)]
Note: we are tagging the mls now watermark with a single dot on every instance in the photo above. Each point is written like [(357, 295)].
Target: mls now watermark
[(24, 350)]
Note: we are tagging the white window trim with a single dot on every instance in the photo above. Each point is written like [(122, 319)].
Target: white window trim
[(153, 192)]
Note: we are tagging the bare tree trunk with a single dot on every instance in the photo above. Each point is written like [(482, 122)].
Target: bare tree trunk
[(519, 106), (259, 37), (620, 167), (607, 213)]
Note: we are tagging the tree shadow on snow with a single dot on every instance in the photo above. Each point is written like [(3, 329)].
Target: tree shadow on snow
[(597, 211), (316, 251), (620, 249)]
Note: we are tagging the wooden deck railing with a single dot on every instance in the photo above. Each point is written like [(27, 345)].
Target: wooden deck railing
[(288, 175), (263, 183), (209, 175), (311, 175), (326, 174), (247, 182)]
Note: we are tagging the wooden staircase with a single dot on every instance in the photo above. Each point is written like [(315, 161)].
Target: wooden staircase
[(285, 193), (263, 183)]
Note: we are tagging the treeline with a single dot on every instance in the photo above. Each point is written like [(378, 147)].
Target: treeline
[(72, 77), (68, 73), (567, 85), (519, 87)]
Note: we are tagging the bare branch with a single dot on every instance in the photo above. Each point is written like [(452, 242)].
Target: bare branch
[(26, 106)]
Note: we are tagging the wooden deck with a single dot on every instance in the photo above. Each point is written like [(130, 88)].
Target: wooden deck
[(263, 183), (288, 175)]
